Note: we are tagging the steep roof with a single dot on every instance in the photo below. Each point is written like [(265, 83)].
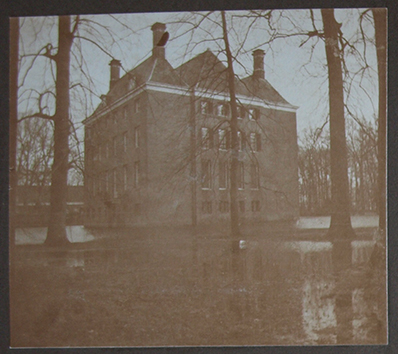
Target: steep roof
[(262, 89), (153, 69), (207, 72)]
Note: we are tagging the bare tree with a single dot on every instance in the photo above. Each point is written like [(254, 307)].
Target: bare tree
[(234, 132), (380, 23), (314, 169), (35, 152), (14, 40), (53, 100), (56, 233), (218, 29)]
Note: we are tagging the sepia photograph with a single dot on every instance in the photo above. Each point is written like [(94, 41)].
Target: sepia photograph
[(207, 178)]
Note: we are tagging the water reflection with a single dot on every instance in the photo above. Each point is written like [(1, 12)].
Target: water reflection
[(253, 292), (249, 284), (318, 292), (37, 235)]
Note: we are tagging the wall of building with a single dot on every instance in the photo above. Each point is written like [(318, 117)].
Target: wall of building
[(160, 192)]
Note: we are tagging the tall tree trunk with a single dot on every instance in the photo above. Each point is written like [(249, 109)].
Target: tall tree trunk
[(340, 225), (14, 48), (340, 230), (380, 21), (234, 134), (192, 128), (56, 234)]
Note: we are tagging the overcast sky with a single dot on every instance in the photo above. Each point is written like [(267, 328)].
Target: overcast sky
[(296, 69)]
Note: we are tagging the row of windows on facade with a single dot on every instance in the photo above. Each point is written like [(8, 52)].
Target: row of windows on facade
[(207, 208), (208, 107), (114, 182), (221, 139), (104, 214), (114, 118), (224, 206), (111, 149), (224, 175)]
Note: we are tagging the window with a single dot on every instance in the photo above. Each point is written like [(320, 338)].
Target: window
[(137, 208), (206, 174), (125, 177), (241, 112), (95, 153), (100, 153), (241, 175), (241, 206), (136, 173), (125, 114), (255, 142), (223, 206), (107, 181), (131, 83), (240, 140), (205, 107), (107, 150), (222, 138), (125, 142), (222, 110), (255, 205), (114, 181), (207, 207), (253, 113), (223, 175), (114, 146), (205, 138), (137, 136), (137, 105), (254, 176)]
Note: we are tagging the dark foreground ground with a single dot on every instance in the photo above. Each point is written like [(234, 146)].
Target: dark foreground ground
[(173, 287)]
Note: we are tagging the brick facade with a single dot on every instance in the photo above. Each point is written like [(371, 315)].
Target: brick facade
[(141, 155)]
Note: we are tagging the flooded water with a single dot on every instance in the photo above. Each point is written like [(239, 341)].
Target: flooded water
[(318, 291), (242, 292), (323, 222), (37, 235), (248, 290)]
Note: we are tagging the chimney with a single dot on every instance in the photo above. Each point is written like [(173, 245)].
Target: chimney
[(158, 30), (258, 64), (115, 72)]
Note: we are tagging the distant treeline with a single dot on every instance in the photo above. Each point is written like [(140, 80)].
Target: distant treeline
[(314, 169)]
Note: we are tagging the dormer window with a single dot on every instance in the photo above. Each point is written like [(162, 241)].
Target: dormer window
[(132, 83), (104, 99)]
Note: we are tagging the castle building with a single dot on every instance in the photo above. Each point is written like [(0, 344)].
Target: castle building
[(157, 148)]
